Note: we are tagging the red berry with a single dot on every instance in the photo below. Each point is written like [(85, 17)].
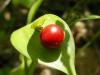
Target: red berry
[(52, 36)]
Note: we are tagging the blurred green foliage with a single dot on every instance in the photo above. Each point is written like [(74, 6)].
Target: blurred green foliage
[(5, 71), (25, 3)]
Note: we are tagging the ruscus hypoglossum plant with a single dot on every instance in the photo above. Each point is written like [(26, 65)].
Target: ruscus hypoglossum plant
[(47, 41)]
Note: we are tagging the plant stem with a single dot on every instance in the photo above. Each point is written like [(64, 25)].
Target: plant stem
[(26, 65), (32, 67), (91, 41)]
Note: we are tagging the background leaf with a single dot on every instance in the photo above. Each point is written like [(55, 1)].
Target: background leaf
[(5, 71), (33, 10), (91, 17), (26, 3)]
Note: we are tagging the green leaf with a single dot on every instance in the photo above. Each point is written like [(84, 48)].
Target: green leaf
[(33, 10), (91, 17), (26, 41), (26, 3)]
